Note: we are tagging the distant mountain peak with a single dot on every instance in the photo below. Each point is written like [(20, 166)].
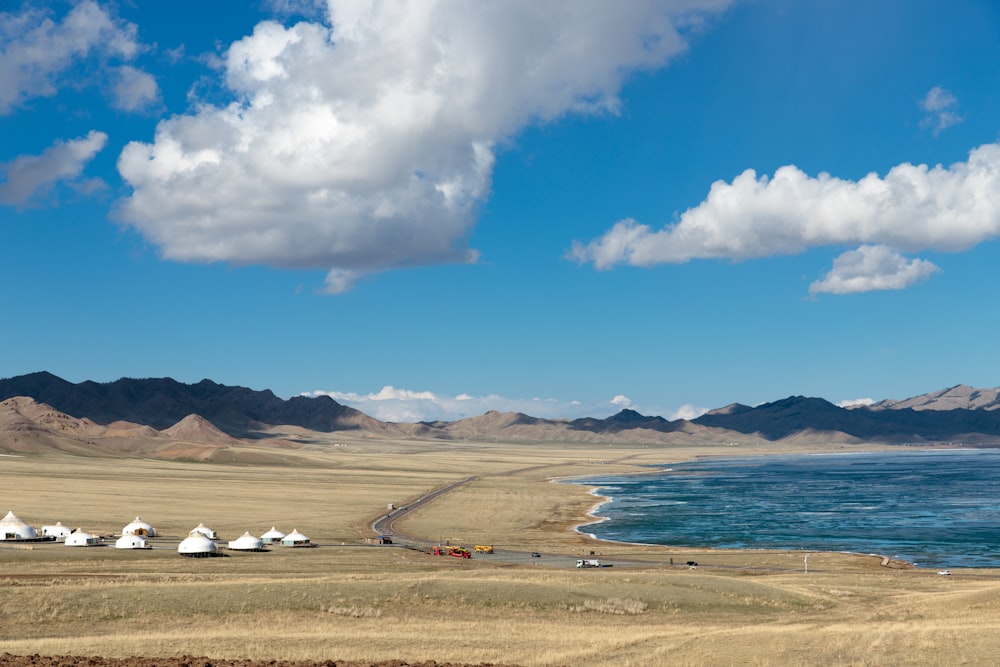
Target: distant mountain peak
[(959, 397), (731, 409), (628, 415)]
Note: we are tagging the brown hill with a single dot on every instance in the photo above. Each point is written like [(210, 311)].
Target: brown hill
[(198, 429), (959, 397), (30, 428)]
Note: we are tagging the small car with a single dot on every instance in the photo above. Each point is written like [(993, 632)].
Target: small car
[(535, 554)]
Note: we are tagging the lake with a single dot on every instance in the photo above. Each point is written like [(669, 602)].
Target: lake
[(934, 508)]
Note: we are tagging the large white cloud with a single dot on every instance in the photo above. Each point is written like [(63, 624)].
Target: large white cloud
[(368, 143), (912, 208), (28, 175), (35, 51)]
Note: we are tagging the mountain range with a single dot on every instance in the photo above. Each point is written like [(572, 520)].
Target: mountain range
[(207, 411)]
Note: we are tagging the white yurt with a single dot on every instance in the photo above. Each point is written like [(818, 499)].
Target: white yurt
[(246, 542), (273, 536), (12, 528), (56, 531), (132, 541), (79, 538), (295, 539), (206, 531), (139, 527), (196, 545)]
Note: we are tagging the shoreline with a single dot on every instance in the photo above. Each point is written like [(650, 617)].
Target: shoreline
[(596, 520)]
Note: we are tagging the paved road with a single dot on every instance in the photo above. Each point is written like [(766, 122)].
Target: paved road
[(386, 525)]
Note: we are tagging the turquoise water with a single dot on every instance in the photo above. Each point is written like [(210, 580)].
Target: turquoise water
[(935, 509)]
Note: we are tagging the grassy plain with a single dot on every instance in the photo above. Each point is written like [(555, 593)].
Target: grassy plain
[(344, 600)]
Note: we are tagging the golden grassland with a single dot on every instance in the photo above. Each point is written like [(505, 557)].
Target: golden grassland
[(347, 601)]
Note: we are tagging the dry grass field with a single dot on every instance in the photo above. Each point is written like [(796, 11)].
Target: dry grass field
[(344, 600)]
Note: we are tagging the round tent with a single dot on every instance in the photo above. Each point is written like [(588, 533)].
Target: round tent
[(272, 536), (12, 528), (131, 541), (247, 542), (196, 545), (57, 531), (295, 539), (139, 527), (79, 538), (206, 531)]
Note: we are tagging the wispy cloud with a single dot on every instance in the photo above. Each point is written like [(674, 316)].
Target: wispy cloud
[(134, 89), (366, 142), (28, 176), (911, 208), (404, 405), (36, 52), (939, 104)]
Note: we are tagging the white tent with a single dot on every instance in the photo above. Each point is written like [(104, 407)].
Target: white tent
[(79, 538), (58, 531), (272, 536), (247, 542), (139, 527), (206, 531), (295, 539), (196, 545), (12, 528), (132, 541)]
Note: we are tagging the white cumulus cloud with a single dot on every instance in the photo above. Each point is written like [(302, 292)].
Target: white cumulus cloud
[(28, 175), (367, 142), (687, 411), (871, 268), (911, 208), (856, 402), (36, 51)]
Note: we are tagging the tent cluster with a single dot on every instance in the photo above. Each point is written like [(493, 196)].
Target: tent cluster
[(13, 529), (199, 542)]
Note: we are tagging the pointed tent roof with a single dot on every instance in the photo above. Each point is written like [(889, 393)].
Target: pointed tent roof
[(295, 537), (10, 519), (272, 535), (139, 526), (11, 524), (196, 544), (246, 542), (205, 530)]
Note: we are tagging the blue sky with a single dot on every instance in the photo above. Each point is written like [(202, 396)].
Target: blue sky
[(430, 210)]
